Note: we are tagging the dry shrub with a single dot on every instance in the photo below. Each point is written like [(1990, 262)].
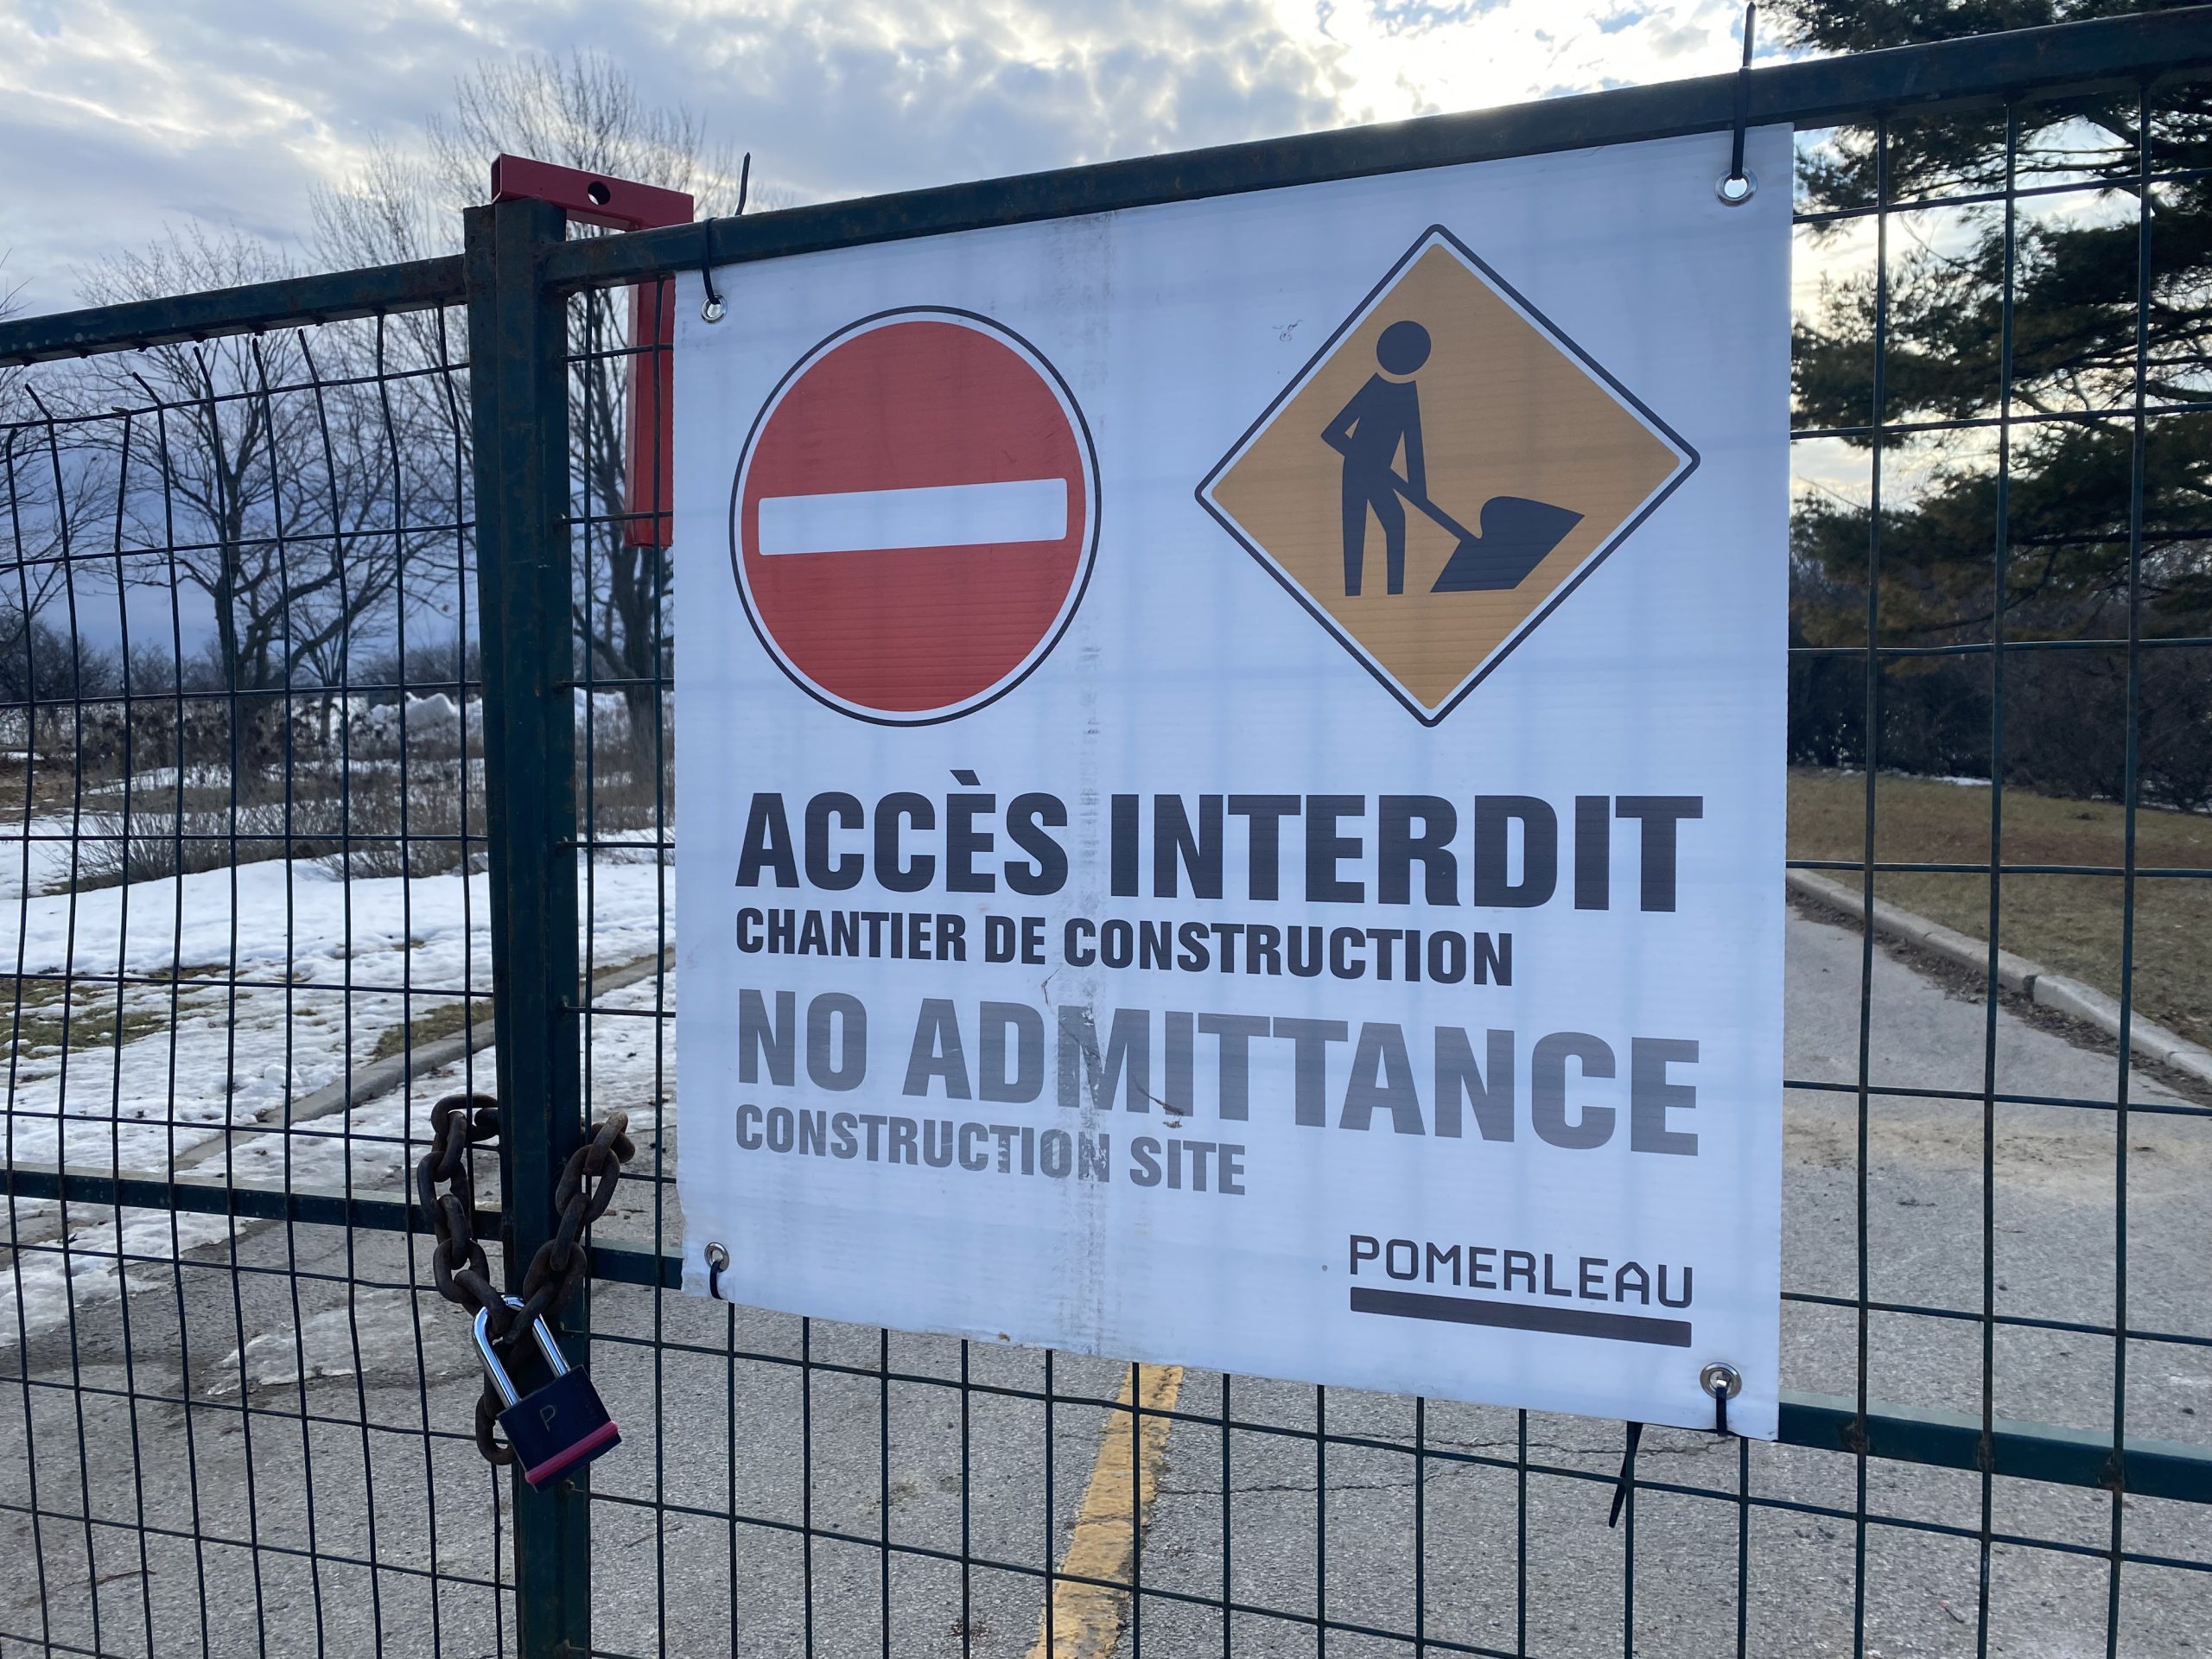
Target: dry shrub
[(433, 837), (156, 843), (355, 828)]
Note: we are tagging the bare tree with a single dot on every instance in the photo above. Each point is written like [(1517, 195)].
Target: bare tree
[(11, 376), (262, 471), (583, 112), (44, 655), (26, 527)]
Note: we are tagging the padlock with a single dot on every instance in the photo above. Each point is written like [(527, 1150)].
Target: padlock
[(561, 1427)]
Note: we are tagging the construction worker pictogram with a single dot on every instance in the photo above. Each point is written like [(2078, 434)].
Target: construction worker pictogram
[(1524, 463)]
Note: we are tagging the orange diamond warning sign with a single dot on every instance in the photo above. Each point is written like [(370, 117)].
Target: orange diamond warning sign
[(1447, 469)]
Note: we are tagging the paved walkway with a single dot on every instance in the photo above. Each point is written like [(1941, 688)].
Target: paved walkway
[(2054, 1238)]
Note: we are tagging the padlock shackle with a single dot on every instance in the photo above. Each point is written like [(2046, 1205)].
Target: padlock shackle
[(509, 1395)]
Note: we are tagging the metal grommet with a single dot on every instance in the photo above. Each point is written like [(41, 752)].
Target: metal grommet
[(1724, 1383), (713, 310), (1734, 189)]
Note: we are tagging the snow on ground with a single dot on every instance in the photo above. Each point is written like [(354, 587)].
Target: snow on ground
[(43, 1285), (368, 1150), (268, 981), (281, 915), (34, 857), (374, 1332), (321, 961)]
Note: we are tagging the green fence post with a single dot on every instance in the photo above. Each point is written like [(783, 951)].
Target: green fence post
[(518, 345)]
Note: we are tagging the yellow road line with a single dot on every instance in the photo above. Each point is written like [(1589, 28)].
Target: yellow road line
[(1086, 1619)]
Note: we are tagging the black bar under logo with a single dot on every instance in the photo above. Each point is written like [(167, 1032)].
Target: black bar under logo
[(1522, 1316)]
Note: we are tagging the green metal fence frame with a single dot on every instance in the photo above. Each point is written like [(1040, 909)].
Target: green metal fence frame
[(519, 409), (518, 276)]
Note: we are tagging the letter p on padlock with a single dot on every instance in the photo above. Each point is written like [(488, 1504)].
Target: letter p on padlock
[(558, 1428)]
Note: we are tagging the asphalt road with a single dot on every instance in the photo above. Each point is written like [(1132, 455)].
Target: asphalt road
[(742, 1426)]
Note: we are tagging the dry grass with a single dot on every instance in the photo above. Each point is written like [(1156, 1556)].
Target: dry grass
[(444, 1020), (39, 1016), (427, 841), (2070, 923)]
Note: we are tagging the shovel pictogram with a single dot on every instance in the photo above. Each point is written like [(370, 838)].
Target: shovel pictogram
[(1383, 417), (1516, 534)]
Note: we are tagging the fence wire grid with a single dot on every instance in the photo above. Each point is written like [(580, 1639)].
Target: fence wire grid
[(267, 617)]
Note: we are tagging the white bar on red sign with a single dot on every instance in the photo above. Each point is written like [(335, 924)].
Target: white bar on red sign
[(938, 515)]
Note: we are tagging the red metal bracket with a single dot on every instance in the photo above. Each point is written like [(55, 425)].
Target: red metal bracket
[(623, 205)]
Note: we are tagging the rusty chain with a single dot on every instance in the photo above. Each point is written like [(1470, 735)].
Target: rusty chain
[(458, 1266)]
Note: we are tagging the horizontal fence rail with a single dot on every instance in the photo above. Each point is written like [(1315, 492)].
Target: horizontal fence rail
[(2104, 54), (290, 302)]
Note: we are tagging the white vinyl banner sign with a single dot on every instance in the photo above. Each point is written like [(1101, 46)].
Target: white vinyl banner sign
[(1231, 781)]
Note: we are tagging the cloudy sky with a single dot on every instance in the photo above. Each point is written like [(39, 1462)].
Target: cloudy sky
[(123, 116)]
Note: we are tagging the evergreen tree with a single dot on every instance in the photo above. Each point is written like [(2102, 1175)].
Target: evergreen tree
[(2077, 261)]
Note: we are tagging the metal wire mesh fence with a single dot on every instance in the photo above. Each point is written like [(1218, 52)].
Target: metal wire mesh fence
[(245, 785), (336, 699)]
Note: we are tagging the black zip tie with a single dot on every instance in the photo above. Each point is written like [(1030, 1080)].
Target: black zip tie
[(1737, 188), (1627, 1482), (710, 309), (713, 310), (717, 1258), (1724, 1383)]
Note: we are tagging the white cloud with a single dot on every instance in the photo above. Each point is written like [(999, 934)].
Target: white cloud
[(1414, 57), (124, 115)]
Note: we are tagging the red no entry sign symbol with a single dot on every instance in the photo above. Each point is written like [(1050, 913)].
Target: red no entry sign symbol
[(915, 515)]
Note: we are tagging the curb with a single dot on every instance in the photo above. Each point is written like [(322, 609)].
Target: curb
[(2146, 1039), (367, 1083), (382, 1077)]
